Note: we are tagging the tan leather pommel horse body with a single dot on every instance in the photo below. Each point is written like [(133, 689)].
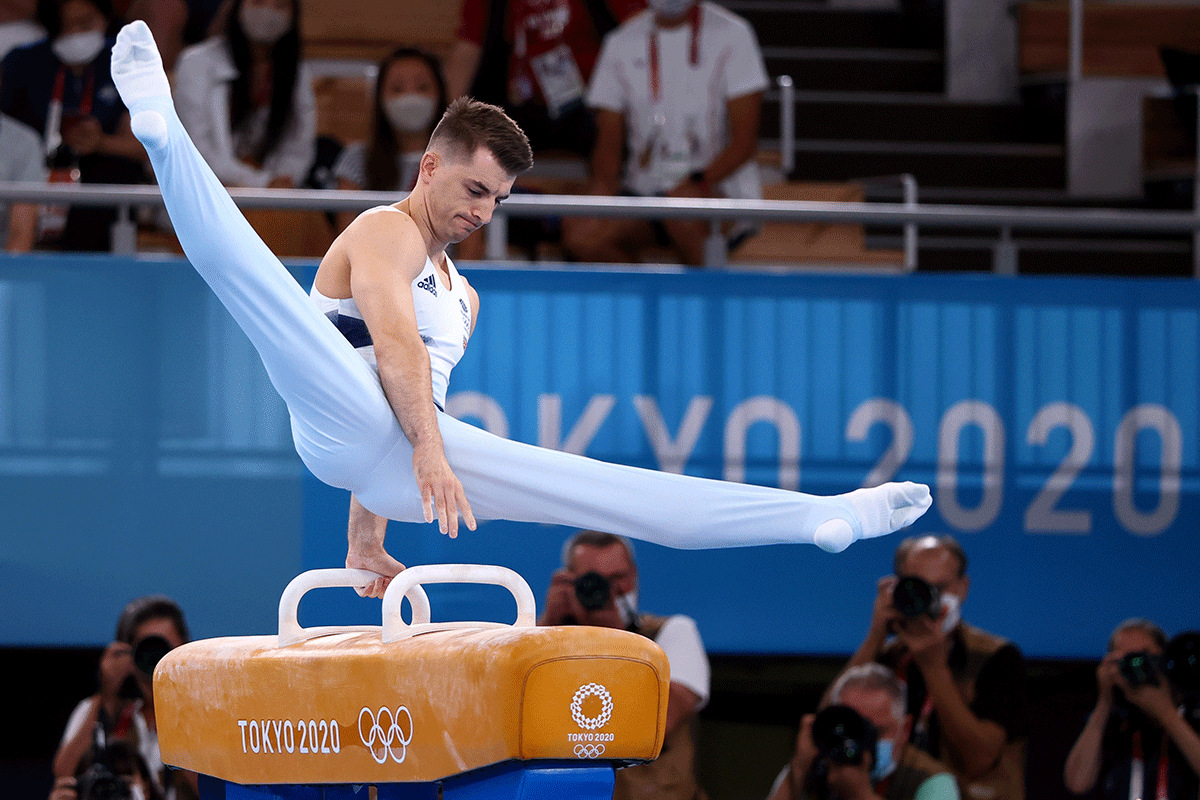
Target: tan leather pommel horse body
[(447, 704)]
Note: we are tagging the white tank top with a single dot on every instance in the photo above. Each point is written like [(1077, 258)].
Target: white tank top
[(443, 320)]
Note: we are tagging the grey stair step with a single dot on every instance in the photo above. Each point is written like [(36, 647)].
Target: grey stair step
[(945, 165), (858, 69), (789, 24), (855, 116)]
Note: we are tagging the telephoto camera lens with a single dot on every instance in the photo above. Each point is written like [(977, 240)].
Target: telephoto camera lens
[(593, 591), (1182, 659), (98, 783), (148, 652), (843, 736), (913, 597)]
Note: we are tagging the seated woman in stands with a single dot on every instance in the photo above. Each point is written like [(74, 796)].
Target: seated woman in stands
[(410, 98), (62, 88), (246, 98)]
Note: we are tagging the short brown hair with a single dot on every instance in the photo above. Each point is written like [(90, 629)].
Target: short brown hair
[(469, 124), (599, 540), (1147, 627), (946, 542)]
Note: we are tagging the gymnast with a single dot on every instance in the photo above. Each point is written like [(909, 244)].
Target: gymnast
[(366, 393)]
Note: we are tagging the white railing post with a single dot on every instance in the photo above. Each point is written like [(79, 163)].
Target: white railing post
[(909, 183), (496, 237), (787, 125)]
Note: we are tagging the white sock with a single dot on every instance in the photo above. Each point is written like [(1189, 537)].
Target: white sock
[(138, 73)]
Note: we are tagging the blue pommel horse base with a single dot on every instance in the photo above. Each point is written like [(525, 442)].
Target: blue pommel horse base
[(444, 711)]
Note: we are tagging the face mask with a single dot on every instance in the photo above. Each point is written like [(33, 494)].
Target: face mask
[(953, 608), (627, 605), (670, 9), (410, 113), (885, 760), (264, 25), (135, 792), (78, 48)]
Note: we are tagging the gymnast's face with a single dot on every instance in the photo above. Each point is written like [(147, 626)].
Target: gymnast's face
[(462, 192)]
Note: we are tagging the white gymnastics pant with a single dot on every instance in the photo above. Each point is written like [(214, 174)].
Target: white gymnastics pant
[(348, 436)]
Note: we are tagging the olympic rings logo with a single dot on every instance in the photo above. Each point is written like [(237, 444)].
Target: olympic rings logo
[(589, 750), (606, 708), (389, 735)]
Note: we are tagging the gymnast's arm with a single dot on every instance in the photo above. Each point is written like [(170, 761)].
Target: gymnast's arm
[(386, 253)]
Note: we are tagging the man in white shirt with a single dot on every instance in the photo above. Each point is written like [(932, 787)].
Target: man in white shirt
[(679, 88), (597, 585)]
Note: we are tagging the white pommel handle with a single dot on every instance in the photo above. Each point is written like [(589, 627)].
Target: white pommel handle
[(290, 631), (408, 584)]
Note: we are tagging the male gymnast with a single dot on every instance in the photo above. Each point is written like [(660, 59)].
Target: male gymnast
[(399, 299)]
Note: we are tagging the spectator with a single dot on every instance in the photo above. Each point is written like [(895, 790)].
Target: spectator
[(62, 88), (410, 98), (116, 771), (893, 770), (966, 687), (21, 159), (534, 59), (174, 23), (598, 586), (1135, 743), (679, 88), (123, 708), (246, 97), (17, 25)]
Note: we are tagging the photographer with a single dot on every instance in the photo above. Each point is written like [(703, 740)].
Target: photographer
[(123, 708), (118, 772), (598, 586), (966, 687), (1135, 742), (857, 748)]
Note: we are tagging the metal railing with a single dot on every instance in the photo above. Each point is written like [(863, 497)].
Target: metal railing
[(1004, 220)]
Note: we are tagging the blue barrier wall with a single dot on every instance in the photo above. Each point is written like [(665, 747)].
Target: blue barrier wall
[(141, 447)]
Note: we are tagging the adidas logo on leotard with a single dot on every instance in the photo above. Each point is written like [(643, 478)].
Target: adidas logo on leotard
[(428, 285)]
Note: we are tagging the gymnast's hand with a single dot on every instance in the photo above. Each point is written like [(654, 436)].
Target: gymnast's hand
[(441, 492)]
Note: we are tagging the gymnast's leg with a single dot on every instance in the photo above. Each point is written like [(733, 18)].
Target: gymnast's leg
[(511, 480), (341, 421)]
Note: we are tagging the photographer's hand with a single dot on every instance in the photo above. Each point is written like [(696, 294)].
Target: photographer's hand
[(792, 788), (116, 664), (1154, 700), (851, 782), (561, 602), (64, 789)]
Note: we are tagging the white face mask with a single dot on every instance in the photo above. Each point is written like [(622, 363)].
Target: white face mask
[(411, 112), (885, 760), (670, 9), (627, 605), (135, 792), (75, 49), (264, 25), (952, 605)]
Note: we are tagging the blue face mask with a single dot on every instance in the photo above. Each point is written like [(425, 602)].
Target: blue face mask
[(885, 760)]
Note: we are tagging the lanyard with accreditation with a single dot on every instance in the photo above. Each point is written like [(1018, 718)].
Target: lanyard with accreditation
[(693, 53), (52, 220), (1137, 770)]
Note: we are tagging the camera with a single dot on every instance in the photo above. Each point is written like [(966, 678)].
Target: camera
[(841, 736), (99, 783), (148, 652), (1141, 668), (914, 597), (1181, 662), (593, 591)]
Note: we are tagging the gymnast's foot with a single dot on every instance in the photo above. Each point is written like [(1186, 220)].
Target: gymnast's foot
[(137, 71), (880, 510)]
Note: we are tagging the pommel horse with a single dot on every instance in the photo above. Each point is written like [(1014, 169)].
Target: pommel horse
[(415, 711)]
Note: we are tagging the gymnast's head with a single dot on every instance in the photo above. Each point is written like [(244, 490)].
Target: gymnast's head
[(474, 155)]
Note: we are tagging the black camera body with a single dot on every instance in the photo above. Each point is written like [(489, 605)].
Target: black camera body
[(842, 736), (99, 783), (1141, 668), (593, 591), (914, 597)]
